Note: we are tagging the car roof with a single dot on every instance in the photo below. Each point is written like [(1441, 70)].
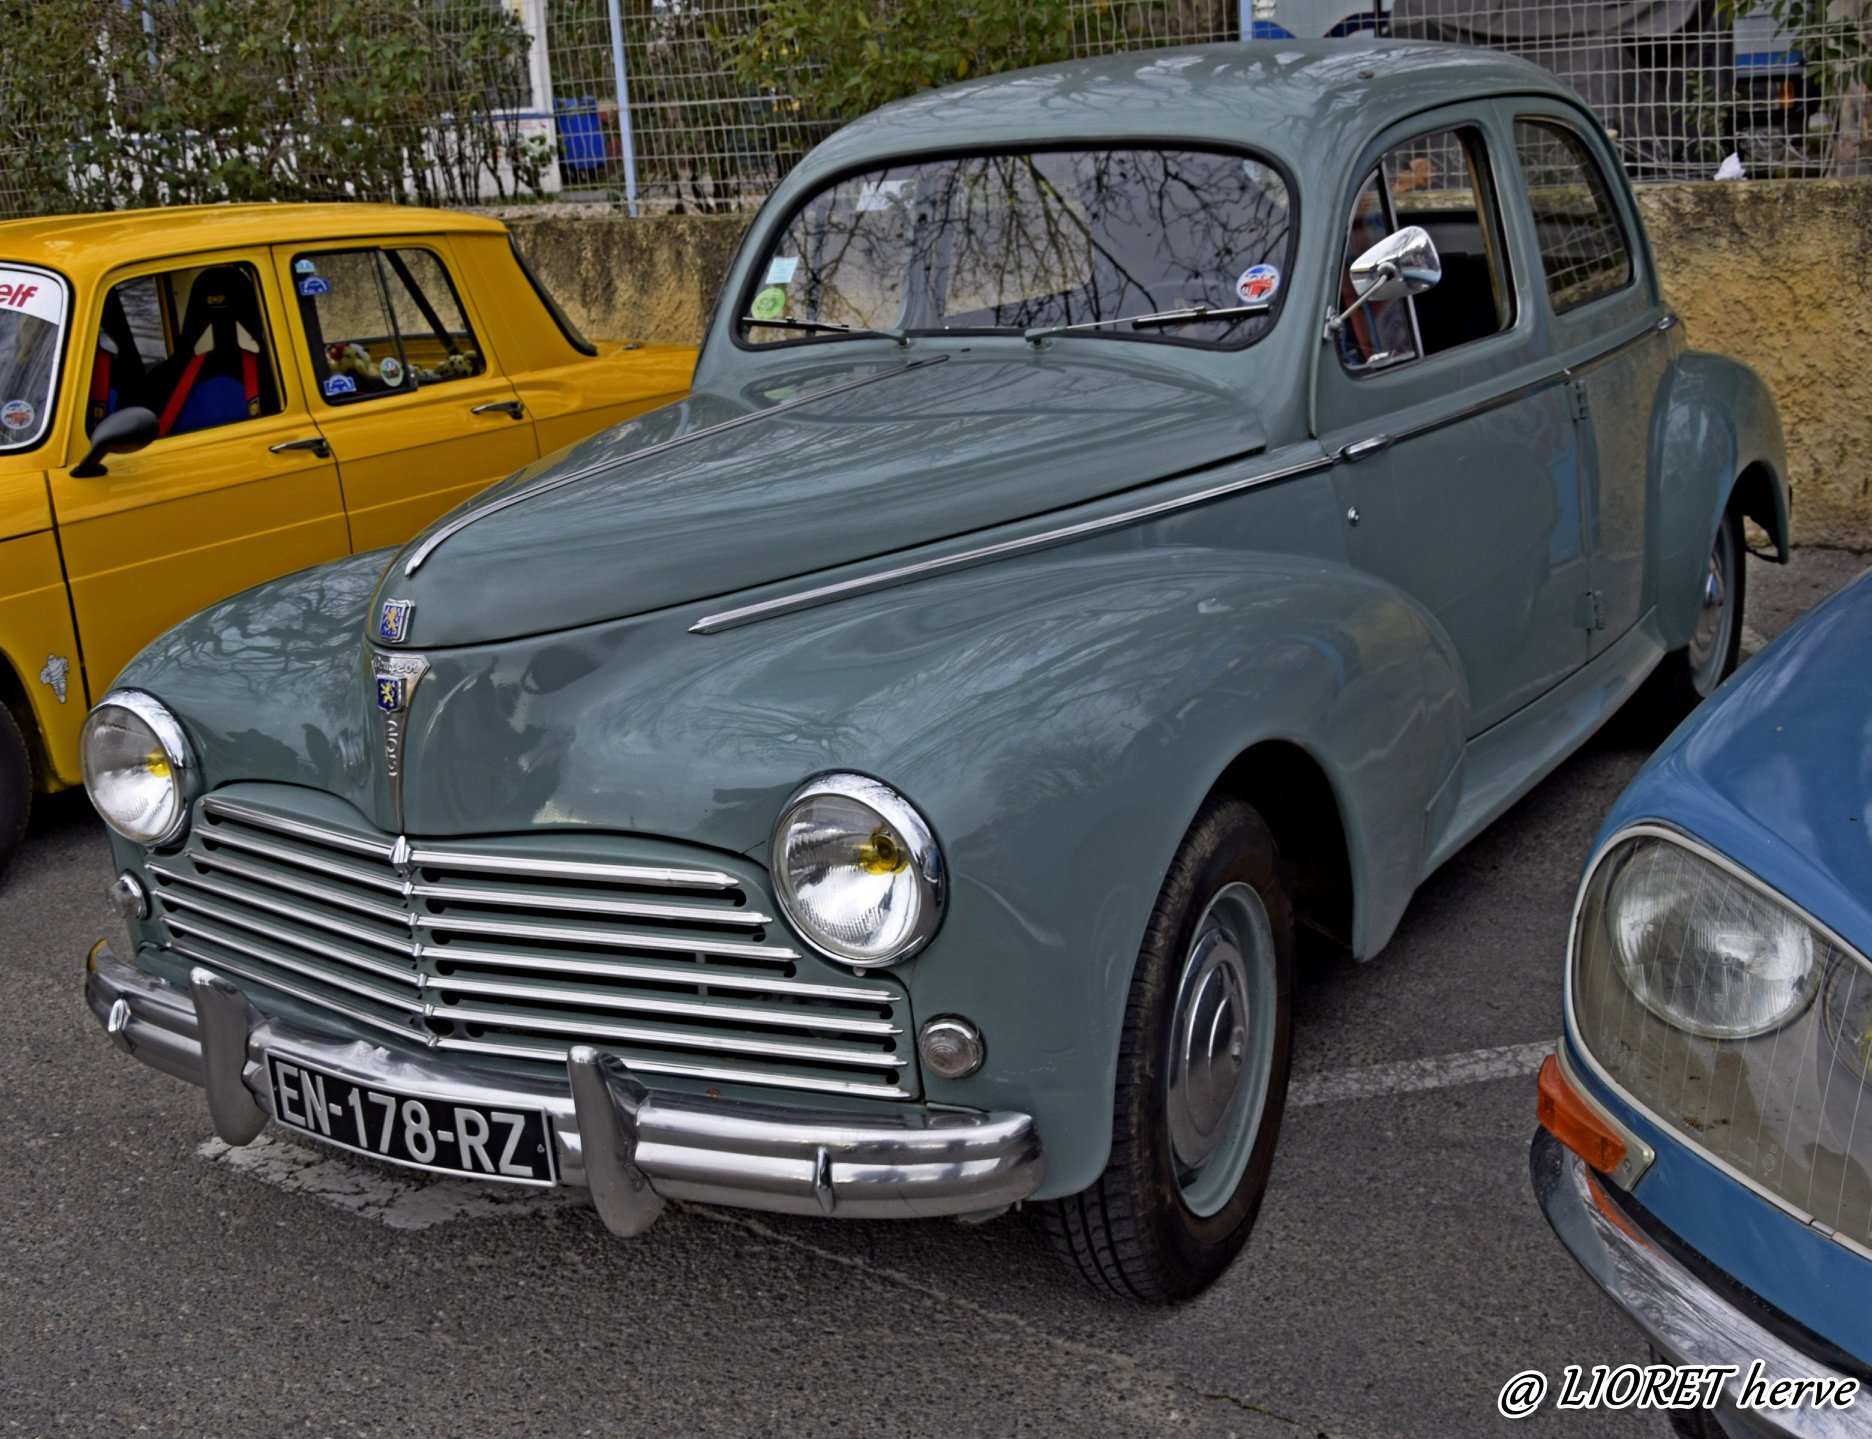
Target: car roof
[(87, 244), (1297, 99)]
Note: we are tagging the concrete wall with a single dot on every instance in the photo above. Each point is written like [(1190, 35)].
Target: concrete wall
[(1775, 273)]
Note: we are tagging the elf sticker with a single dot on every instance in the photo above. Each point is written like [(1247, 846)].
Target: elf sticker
[(769, 304), (18, 414), (1258, 284), (314, 285), (340, 385), (33, 294), (391, 368)]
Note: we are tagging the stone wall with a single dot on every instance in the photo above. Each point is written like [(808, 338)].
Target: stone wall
[(1774, 272)]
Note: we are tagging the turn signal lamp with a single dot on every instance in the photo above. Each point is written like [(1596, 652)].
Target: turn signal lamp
[(1564, 1113)]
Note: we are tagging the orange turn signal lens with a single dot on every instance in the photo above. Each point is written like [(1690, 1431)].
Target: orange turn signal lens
[(1564, 1113)]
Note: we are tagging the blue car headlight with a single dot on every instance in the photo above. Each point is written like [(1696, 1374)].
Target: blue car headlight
[(1700, 948), (1692, 990)]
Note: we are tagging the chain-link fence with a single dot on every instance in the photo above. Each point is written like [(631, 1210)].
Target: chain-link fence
[(649, 104), (1683, 85)]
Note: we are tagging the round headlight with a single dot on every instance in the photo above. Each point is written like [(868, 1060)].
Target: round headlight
[(138, 768), (857, 871), (1704, 951)]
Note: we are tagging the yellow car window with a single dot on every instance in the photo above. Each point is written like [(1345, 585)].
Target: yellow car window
[(190, 345), (382, 322)]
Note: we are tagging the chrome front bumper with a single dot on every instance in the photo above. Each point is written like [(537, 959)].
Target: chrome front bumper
[(633, 1149), (1684, 1318)]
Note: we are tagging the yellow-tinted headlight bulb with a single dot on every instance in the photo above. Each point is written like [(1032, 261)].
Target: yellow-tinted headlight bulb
[(157, 763), (881, 854)]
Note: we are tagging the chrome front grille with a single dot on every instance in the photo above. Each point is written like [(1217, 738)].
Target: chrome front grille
[(502, 948)]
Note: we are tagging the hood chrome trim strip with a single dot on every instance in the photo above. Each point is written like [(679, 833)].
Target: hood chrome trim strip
[(429, 546), (943, 564)]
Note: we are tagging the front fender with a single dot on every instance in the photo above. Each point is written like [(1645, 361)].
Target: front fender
[(1716, 425), (268, 683)]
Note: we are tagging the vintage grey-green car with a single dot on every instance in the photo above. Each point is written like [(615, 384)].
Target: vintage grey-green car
[(1128, 511)]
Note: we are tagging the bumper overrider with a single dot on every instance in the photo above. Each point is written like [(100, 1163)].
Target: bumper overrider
[(631, 1147), (1685, 1318)]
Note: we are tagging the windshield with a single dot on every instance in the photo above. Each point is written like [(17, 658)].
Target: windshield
[(1009, 242), (32, 322)]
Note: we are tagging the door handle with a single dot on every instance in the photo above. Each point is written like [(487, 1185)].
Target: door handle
[(513, 409), (315, 443)]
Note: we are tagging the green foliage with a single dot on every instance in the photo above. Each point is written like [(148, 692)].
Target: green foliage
[(105, 105), (838, 59)]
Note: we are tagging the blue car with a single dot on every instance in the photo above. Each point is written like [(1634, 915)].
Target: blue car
[(1705, 1148)]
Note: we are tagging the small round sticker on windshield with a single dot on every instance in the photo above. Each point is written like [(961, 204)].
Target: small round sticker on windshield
[(769, 304), (18, 414), (391, 368), (1258, 284)]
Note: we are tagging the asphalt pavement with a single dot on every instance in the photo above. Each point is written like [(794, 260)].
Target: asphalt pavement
[(151, 1282)]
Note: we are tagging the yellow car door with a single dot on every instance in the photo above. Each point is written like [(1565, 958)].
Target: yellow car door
[(239, 485), (409, 393), (572, 387)]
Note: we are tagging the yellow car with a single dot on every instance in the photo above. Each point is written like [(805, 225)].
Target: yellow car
[(194, 400)]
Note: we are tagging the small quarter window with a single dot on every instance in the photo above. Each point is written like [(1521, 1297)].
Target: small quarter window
[(1440, 182), (1582, 245), (382, 322)]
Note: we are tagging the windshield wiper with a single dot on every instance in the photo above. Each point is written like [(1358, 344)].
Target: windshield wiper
[(1193, 315), (822, 327)]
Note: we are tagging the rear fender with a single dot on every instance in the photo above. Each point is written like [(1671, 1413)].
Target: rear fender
[(1717, 439)]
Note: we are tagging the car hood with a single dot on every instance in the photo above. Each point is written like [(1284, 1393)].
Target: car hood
[(815, 467), (1776, 770)]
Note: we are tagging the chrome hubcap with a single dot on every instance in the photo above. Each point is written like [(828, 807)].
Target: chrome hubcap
[(1709, 645), (1222, 1047)]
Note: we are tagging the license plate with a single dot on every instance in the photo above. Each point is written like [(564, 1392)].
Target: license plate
[(477, 1141)]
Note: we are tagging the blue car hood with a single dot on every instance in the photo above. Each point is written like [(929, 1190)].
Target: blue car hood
[(1776, 770)]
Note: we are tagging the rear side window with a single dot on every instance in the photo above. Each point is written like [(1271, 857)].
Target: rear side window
[(382, 322), (1583, 248)]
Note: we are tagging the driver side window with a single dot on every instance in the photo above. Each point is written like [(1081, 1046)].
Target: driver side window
[(1439, 181), (189, 345)]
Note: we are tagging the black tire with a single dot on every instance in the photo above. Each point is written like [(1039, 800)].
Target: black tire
[(1152, 1230), (15, 787), (1687, 677)]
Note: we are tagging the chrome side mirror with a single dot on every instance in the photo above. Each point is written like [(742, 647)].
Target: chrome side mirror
[(1404, 263)]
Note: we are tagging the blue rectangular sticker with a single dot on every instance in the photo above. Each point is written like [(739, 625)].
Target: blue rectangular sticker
[(314, 285), (341, 385)]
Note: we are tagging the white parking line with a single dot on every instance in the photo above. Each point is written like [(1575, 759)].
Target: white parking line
[(1408, 1076), (375, 1193)]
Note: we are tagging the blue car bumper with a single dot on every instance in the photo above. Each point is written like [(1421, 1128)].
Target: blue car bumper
[(1687, 1319)]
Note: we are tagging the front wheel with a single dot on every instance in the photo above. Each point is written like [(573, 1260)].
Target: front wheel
[(1688, 676), (1202, 1072)]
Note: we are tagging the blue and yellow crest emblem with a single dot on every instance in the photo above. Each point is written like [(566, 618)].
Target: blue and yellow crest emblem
[(393, 619), (392, 693)]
